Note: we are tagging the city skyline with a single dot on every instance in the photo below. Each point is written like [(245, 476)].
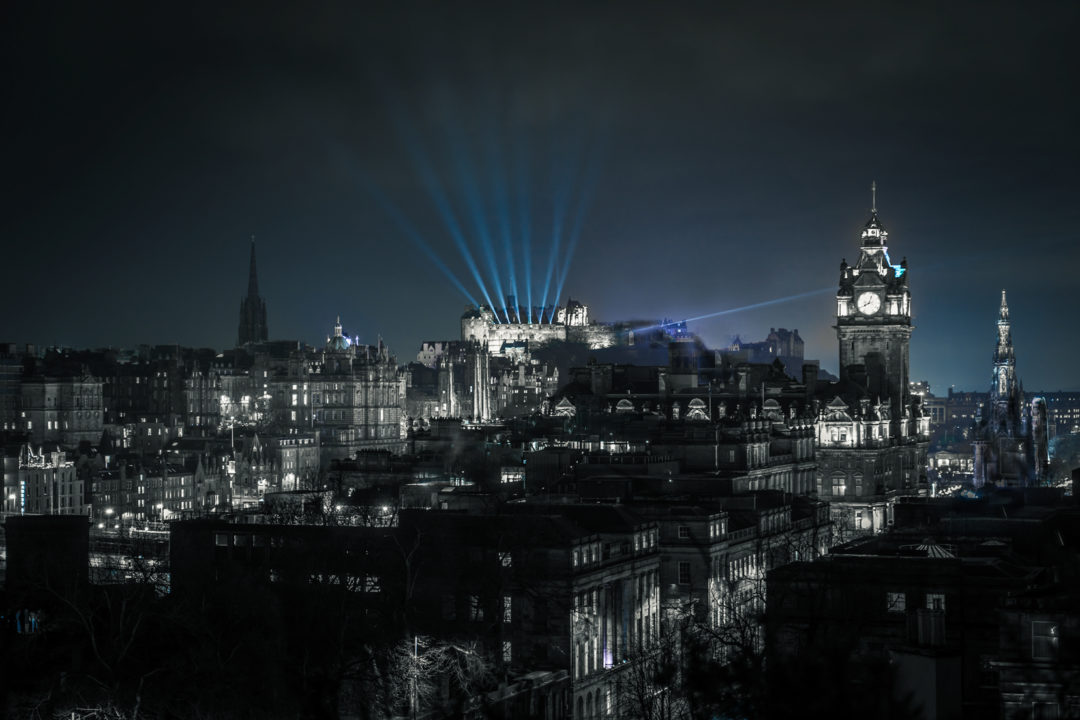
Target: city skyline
[(558, 360), (734, 169)]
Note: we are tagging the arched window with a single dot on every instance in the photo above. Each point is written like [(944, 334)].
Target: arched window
[(838, 483)]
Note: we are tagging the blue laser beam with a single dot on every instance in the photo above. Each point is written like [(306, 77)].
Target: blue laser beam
[(401, 221), (458, 146), (408, 137), (563, 181), (524, 211), (501, 202), (414, 235), (588, 186), (480, 227), (744, 308), (442, 203)]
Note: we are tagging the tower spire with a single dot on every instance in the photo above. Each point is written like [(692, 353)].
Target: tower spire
[(1004, 357), (253, 277), (873, 196), (252, 308)]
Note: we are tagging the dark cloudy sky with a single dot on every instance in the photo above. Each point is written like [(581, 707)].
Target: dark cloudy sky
[(732, 149)]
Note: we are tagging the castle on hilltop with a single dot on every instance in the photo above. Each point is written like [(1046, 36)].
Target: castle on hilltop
[(501, 330)]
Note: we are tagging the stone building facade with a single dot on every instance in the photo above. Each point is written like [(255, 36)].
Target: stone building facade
[(62, 410), (48, 484), (351, 393)]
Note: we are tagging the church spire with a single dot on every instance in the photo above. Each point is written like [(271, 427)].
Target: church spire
[(253, 277), (252, 308), (873, 196)]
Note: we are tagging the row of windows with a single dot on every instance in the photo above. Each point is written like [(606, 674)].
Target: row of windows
[(896, 602), (646, 539), (587, 555)]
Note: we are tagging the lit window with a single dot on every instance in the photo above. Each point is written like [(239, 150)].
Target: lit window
[(839, 487), (476, 610), (895, 602), (508, 650), (507, 608), (935, 601), (1044, 640), (505, 560), (221, 540)]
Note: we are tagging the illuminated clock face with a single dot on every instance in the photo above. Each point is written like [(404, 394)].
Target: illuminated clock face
[(868, 303)]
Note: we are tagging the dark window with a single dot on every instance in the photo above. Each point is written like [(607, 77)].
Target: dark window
[(684, 573), (684, 532)]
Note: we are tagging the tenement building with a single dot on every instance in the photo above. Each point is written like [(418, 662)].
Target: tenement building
[(63, 410), (47, 485), (1010, 436), (872, 435)]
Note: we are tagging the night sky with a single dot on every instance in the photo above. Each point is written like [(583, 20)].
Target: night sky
[(717, 157)]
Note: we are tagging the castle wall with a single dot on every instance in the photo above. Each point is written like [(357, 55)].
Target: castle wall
[(595, 336)]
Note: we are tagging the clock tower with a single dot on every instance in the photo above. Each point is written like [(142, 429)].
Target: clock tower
[(873, 320)]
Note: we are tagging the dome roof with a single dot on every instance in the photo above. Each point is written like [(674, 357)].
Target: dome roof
[(339, 341)]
